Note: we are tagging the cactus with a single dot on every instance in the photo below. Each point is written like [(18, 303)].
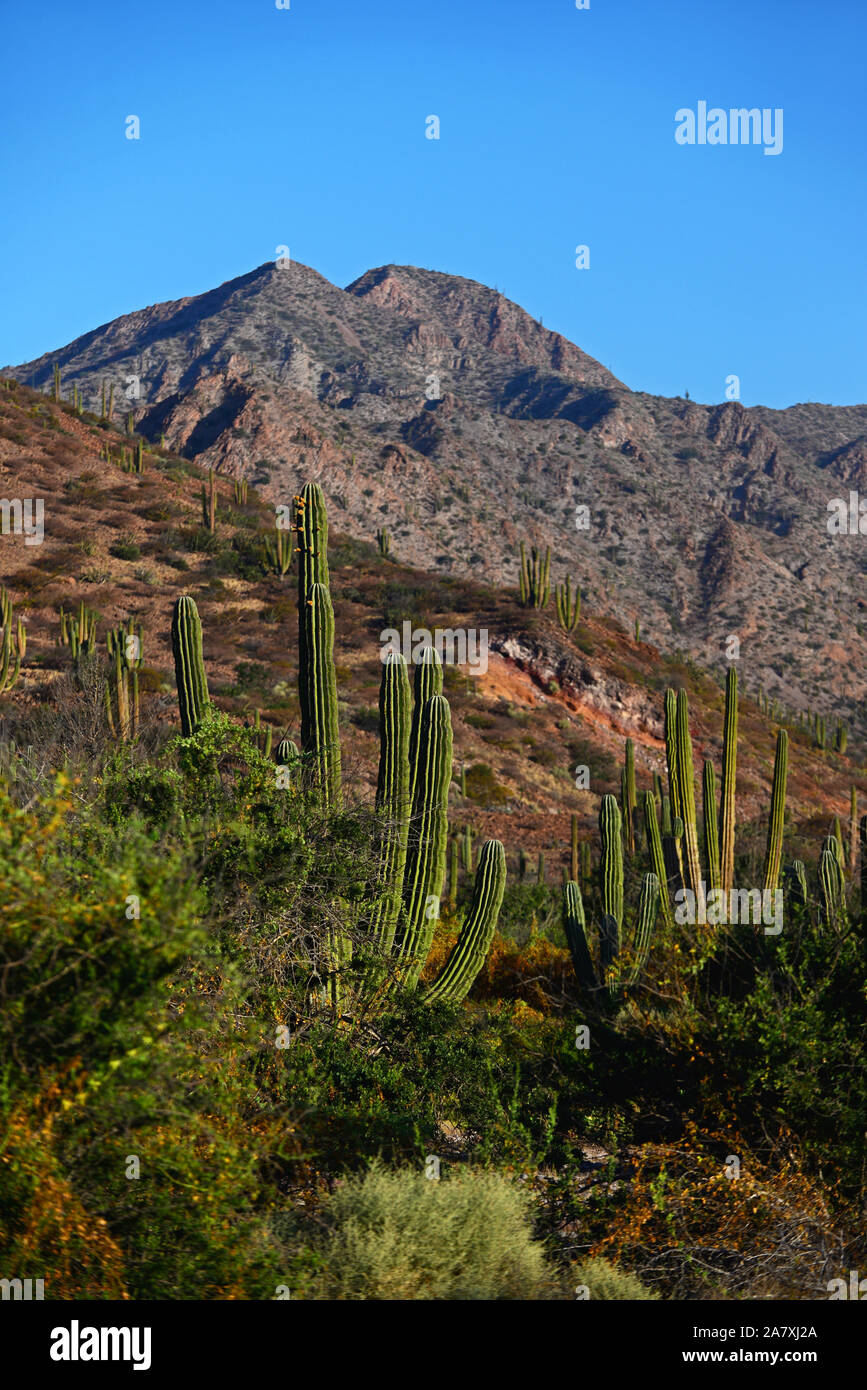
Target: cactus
[(841, 738), (711, 840), (586, 861), (277, 553), (523, 864), (56, 388), (125, 658), (209, 503), (611, 866), (540, 867), (671, 750), (617, 970), (796, 879), (190, 676), (78, 633), (853, 828), (568, 608), (534, 584), (470, 951), (13, 643), (383, 540), (637, 630), (729, 778), (774, 850), (392, 803), (832, 891), (239, 492), (686, 802), (467, 850), (629, 796), (657, 857), (317, 683), (573, 858), (426, 849)]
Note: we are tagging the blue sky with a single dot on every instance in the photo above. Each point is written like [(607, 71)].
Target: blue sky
[(306, 127)]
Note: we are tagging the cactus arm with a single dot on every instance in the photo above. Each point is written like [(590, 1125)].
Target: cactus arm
[(468, 955)]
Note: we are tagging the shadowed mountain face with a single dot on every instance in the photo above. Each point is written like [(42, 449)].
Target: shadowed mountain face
[(434, 406)]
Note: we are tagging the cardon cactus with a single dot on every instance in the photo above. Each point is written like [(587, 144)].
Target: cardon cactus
[(426, 849), (534, 582), (774, 850), (474, 940), (568, 606), (189, 665), (317, 685), (392, 800), (729, 779), (121, 692), (616, 969), (711, 838)]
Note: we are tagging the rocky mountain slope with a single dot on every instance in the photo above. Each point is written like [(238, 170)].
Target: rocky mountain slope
[(436, 407)]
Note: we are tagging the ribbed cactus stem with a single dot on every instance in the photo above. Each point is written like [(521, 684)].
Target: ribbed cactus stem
[(392, 798), (320, 736), (630, 798), (189, 664), (686, 794), (729, 779), (426, 849), (469, 952), (575, 927), (611, 865), (427, 682), (796, 878), (711, 838), (774, 850), (573, 858), (645, 921), (657, 857), (832, 892), (671, 751)]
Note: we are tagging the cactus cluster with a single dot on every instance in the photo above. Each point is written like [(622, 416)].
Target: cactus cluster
[(383, 540), (614, 964), (124, 646), (534, 584), (78, 632), (239, 491), (568, 605), (277, 553)]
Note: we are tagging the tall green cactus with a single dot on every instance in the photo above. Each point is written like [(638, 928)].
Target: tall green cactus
[(611, 866), (470, 951), (686, 797), (189, 664), (657, 857), (774, 850), (534, 582), (729, 779), (629, 795), (711, 839), (392, 800), (317, 685), (568, 607), (427, 682), (428, 834), (671, 751)]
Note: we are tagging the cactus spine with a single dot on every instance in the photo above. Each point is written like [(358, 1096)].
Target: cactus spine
[(189, 665), (773, 853)]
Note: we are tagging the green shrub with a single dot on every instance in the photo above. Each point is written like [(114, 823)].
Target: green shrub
[(604, 1280), (400, 1235)]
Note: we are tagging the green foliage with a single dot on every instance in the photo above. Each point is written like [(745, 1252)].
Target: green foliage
[(401, 1235), (603, 1280)]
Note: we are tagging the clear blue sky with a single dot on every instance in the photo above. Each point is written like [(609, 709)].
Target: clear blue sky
[(306, 127)]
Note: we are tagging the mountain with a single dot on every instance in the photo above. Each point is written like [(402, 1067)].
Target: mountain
[(433, 406)]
